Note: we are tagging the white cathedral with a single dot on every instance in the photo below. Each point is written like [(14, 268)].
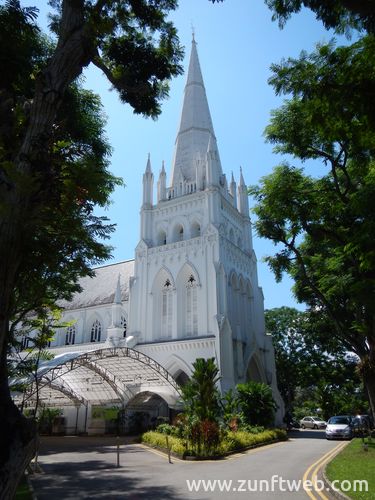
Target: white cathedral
[(190, 292)]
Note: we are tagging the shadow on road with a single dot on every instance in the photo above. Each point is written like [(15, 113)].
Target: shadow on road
[(306, 434)]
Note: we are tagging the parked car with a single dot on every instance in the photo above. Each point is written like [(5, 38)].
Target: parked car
[(312, 423), (361, 425), (339, 427)]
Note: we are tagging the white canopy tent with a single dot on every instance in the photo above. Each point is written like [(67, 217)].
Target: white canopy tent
[(116, 375)]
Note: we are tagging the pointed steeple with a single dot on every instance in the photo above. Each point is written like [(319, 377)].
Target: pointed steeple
[(148, 165), (196, 127), (148, 183), (232, 190), (162, 185), (243, 199)]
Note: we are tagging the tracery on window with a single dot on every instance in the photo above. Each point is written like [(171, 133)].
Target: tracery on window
[(70, 335), (166, 309), (191, 306), (24, 342), (96, 331)]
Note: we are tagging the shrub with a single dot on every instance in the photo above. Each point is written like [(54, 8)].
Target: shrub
[(232, 441), (241, 439), (153, 438), (256, 403), (165, 429)]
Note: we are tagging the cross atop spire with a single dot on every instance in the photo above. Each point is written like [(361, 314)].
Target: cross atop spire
[(196, 128)]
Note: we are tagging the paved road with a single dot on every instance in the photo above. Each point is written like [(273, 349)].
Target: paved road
[(85, 468)]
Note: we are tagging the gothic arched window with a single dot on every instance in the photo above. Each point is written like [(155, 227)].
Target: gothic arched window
[(124, 324), (195, 230), (191, 306), (70, 336), (166, 309), (96, 331), (24, 342)]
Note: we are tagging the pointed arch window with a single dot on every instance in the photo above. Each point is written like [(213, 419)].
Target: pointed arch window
[(25, 341), (191, 307), (124, 325), (70, 335), (96, 331), (166, 309)]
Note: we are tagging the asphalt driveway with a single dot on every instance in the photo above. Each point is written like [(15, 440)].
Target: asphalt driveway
[(86, 468)]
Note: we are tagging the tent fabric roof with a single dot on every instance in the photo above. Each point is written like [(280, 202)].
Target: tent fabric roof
[(105, 376), (101, 288)]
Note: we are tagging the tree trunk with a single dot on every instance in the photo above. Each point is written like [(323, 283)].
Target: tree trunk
[(74, 51)]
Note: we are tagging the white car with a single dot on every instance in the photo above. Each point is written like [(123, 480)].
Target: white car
[(339, 427), (312, 423)]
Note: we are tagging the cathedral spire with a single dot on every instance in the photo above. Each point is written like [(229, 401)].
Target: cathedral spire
[(162, 184), (196, 128), (232, 190), (148, 183), (243, 199)]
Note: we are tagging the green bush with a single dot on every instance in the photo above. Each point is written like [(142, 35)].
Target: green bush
[(256, 403), (231, 442), (153, 438), (242, 439), (165, 429)]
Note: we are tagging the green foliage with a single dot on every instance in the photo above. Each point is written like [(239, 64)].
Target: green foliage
[(312, 365), (232, 441), (338, 14), (351, 464), (200, 394), (135, 46), (201, 399), (24, 364), (231, 411), (241, 439), (256, 403), (153, 438), (165, 429), (46, 418), (324, 225)]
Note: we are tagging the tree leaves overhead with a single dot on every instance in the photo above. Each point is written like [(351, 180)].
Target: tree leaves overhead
[(324, 225), (340, 15)]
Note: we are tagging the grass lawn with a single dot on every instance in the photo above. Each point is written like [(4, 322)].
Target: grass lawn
[(355, 464)]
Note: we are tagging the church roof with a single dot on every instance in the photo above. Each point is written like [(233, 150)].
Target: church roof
[(196, 127), (101, 289)]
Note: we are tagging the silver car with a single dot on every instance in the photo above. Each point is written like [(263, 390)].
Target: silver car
[(339, 427), (312, 423)]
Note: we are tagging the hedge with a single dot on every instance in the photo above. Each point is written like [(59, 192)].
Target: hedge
[(232, 441)]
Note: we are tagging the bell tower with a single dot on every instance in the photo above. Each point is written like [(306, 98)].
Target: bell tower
[(195, 289)]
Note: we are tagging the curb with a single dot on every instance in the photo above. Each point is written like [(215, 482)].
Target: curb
[(327, 483), (334, 492)]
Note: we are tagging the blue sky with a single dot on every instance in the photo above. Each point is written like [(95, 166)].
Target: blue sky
[(237, 43)]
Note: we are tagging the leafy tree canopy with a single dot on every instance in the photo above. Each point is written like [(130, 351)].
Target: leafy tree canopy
[(325, 224), (338, 14), (312, 365), (54, 156)]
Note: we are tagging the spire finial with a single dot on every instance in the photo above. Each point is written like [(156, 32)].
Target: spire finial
[(242, 182), (148, 165), (193, 33)]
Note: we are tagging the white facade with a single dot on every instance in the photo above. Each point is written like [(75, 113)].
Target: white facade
[(192, 290)]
